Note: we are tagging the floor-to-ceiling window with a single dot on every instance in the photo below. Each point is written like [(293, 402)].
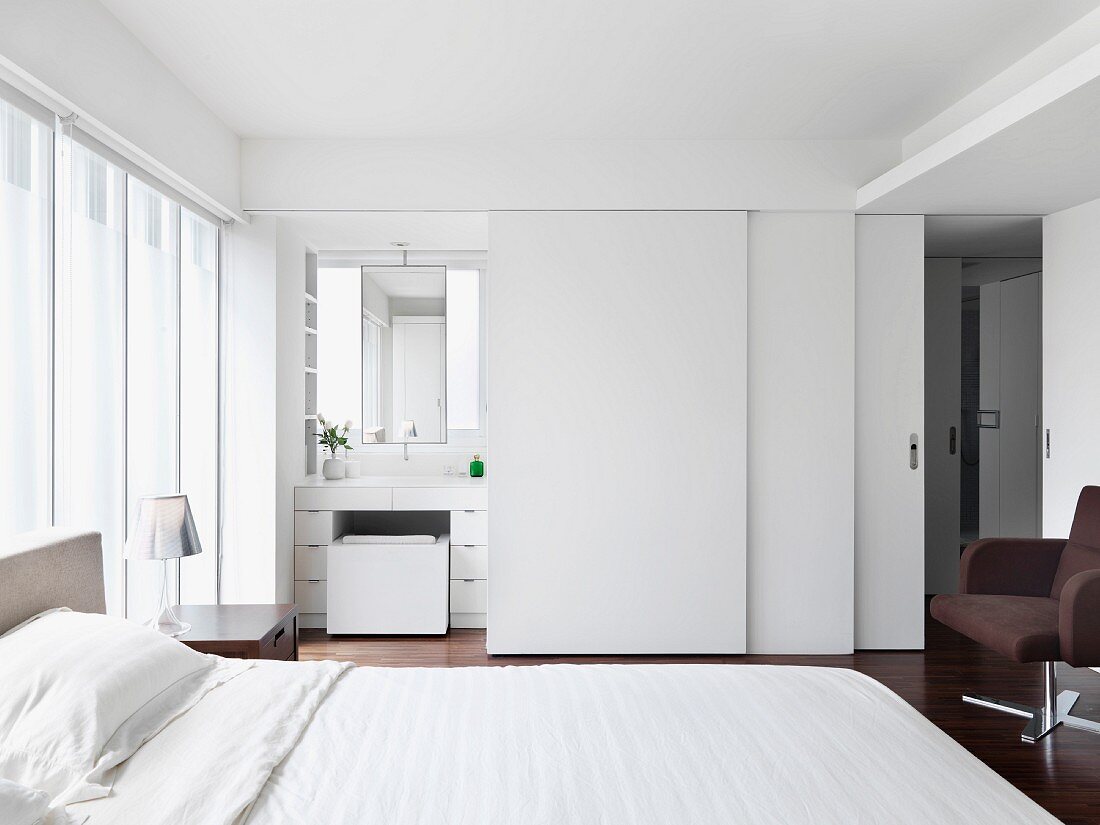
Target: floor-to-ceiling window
[(90, 368), (26, 145), (152, 353), (108, 349), (198, 400)]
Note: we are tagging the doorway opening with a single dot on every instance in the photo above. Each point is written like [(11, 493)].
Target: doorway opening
[(983, 385)]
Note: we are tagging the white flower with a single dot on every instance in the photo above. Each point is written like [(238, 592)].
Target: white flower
[(347, 424), (320, 418)]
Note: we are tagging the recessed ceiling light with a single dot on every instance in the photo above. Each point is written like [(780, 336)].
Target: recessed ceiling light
[(400, 243)]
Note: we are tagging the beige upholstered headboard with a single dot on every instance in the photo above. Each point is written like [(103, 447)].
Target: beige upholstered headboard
[(50, 568)]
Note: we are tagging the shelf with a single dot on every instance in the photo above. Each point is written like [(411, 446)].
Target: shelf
[(311, 417), (311, 370), (310, 331), (310, 299)]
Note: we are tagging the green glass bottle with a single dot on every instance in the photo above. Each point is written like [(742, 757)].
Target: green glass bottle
[(477, 467)]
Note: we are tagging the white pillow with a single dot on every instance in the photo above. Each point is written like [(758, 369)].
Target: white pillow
[(83, 691)]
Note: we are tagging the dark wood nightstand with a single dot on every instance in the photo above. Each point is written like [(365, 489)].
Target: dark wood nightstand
[(242, 631)]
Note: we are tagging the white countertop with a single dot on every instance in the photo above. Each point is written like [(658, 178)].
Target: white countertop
[(393, 481)]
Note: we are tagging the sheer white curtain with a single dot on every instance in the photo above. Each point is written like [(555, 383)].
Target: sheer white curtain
[(25, 254), (109, 319), (198, 405), (90, 377), (152, 338)]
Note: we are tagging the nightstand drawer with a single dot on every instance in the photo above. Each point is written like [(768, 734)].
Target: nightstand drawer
[(469, 527), (283, 644), (313, 527), (469, 562), (311, 597), (469, 596), (311, 563)]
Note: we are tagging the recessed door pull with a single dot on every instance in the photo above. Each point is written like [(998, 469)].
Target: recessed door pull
[(912, 451), (951, 441)]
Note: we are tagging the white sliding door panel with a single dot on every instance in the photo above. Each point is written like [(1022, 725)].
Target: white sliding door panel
[(801, 409), (618, 473), (889, 511), (1071, 379), (942, 411)]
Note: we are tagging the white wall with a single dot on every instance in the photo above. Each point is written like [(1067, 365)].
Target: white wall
[(558, 174), (290, 355), (617, 492), (889, 376), (942, 405), (1071, 377), (83, 54), (801, 410), (249, 399)]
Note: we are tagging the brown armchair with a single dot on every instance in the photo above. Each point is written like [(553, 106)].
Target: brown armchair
[(1034, 600)]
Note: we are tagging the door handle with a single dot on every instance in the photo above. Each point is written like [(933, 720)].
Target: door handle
[(951, 441), (912, 451)]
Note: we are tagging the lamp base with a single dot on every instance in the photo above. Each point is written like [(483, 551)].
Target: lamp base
[(165, 619), (168, 623)]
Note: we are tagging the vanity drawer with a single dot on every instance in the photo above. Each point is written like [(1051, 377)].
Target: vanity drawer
[(311, 597), (311, 562), (469, 527), (440, 498), (469, 596), (469, 562), (313, 527), (343, 498)]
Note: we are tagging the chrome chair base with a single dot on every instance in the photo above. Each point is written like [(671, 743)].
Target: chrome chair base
[(1042, 720)]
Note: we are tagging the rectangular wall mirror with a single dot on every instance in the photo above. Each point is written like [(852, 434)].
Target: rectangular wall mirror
[(404, 383), (395, 330)]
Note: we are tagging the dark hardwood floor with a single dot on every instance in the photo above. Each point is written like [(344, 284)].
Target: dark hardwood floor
[(1061, 772)]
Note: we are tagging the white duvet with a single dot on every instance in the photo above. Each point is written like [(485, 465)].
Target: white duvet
[(310, 743)]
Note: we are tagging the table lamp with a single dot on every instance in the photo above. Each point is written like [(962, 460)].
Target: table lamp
[(164, 530), (408, 429)]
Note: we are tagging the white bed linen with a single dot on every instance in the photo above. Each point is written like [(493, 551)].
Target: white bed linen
[(629, 744), (558, 744), (208, 765)]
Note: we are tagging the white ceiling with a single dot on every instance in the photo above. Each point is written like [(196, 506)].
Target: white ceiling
[(1042, 163), (584, 69), (414, 282), (359, 231), (983, 236)]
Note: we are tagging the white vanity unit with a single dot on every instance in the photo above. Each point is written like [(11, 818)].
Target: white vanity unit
[(326, 510)]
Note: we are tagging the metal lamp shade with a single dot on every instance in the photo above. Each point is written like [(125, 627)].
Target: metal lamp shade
[(164, 529)]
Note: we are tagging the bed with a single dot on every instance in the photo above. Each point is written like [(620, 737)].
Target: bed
[(274, 743)]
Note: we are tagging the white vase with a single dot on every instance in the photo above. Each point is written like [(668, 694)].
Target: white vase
[(333, 468)]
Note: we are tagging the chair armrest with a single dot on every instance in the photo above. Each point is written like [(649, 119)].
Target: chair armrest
[(1010, 567), (1079, 620)]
